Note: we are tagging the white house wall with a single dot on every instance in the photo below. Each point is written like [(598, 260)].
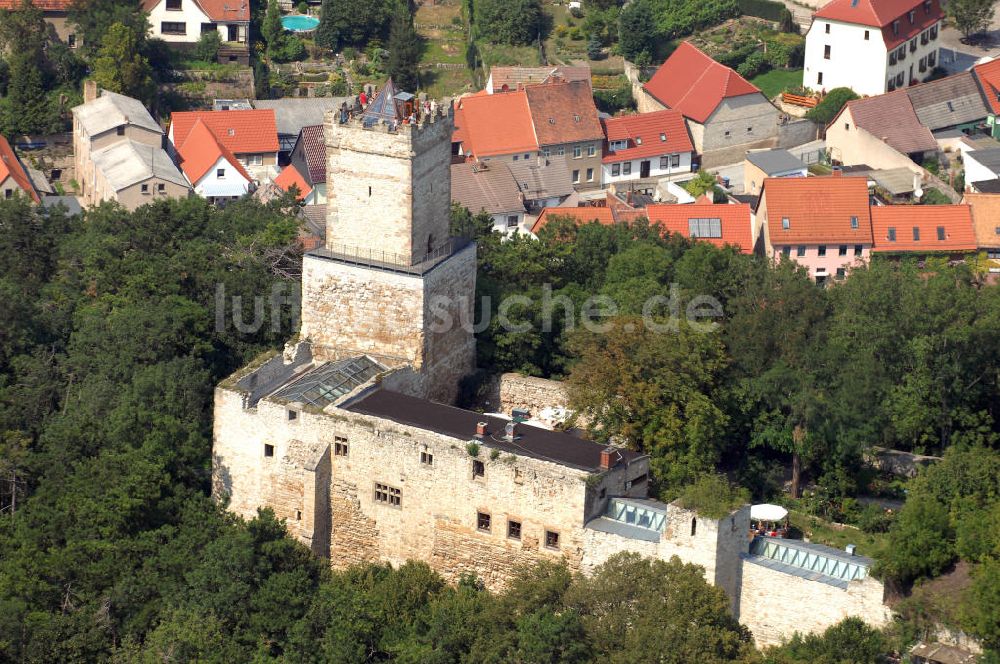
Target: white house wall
[(654, 169), (976, 172), (854, 62), (189, 14), (211, 186)]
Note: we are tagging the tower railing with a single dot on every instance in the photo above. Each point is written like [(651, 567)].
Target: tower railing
[(391, 261)]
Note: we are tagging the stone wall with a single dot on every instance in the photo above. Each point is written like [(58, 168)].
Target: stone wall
[(353, 309), (533, 394), (437, 519), (736, 115), (393, 190), (775, 605), (797, 132)]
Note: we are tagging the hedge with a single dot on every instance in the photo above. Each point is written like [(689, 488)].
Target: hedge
[(768, 9)]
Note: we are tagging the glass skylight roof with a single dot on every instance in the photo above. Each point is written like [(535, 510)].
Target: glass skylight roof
[(328, 382)]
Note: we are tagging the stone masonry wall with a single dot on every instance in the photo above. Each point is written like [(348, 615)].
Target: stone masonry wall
[(736, 115), (775, 605), (449, 299), (350, 310), (393, 188), (533, 394), (437, 519)]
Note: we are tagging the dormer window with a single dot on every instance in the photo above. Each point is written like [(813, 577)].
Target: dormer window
[(913, 17), (916, 234), (785, 223), (927, 7), (940, 232), (895, 28), (663, 137), (891, 234)]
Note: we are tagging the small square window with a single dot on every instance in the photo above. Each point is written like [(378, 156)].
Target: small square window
[(858, 249), (292, 415), (478, 468), (120, 131), (638, 140), (220, 172), (576, 177), (71, 41), (801, 250), (160, 188), (526, 156), (340, 446), (866, 35), (551, 539), (785, 223), (268, 450), (514, 529), (627, 168), (590, 175), (517, 157), (664, 161), (727, 134), (854, 222), (144, 188), (663, 137), (841, 273), (591, 151), (577, 152), (483, 522), (427, 458), (749, 130), (298, 515), (842, 250), (616, 170), (388, 495), (786, 250), (940, 232), (821, 250)]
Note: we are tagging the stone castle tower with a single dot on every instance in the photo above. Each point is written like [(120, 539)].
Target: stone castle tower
[(390, 282)]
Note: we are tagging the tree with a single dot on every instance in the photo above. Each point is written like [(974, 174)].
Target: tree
[(594, 50), (26, 109), (653, 389), (851, 641), (328, 32), (514, 22), (93, 18), (353, 22), (208, 46), (970, 16), (632, 602), (637, 30), (825, 111), (405, 49), (271, 28), (121, 67), (920, 541), (703, 183)]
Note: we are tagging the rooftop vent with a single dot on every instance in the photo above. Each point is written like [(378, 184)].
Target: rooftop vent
[(850, 548), (231, 131), (510, 431)]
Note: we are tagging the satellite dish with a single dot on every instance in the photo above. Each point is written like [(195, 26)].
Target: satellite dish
[(918, 193)]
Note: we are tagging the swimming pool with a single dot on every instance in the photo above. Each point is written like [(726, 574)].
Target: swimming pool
[(299, 23)]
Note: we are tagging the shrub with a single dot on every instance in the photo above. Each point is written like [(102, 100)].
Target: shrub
[(713, 496), (289, 49), (303, 7), (594, 48), (768, 9), (472, 449), (576, 12), (756, 63), (207, 48), (827, 110)]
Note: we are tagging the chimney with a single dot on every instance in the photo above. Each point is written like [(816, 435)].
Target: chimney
[(90, 91), (510, 431), (482, 428), (837, 172), (850, 549), (606, 458)]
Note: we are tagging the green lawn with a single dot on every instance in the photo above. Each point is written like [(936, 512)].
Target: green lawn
[(777, 80)]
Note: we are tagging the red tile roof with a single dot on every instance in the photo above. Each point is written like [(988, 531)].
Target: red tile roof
[(891, 118), (563, 113), (695, 84), (988, 74), (643, 133), (44, 5), (217, 10), (735, 221), (488, 125), (954, 221), (12, 168), (288, 176), (243, 132), (201, 151), (314, 150), (818, 210), (881, 14), (582, 215)]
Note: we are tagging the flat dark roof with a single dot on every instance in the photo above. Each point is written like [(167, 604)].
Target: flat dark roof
[(557, 447)]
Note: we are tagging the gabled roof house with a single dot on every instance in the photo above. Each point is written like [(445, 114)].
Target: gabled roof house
[(212, 169), (723, 110)]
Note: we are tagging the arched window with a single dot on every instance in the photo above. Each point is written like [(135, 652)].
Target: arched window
[(694, 525)]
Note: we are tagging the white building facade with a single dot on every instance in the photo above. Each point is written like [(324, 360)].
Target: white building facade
[(863, 47), (665, 165), (222, 182)]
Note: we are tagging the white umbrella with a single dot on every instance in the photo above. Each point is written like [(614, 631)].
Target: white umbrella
[(767, 512)]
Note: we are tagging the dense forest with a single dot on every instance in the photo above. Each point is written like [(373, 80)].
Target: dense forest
[(112, 550)]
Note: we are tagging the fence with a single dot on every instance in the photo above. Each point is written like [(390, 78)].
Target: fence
[(799, 100), (394, 262)]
